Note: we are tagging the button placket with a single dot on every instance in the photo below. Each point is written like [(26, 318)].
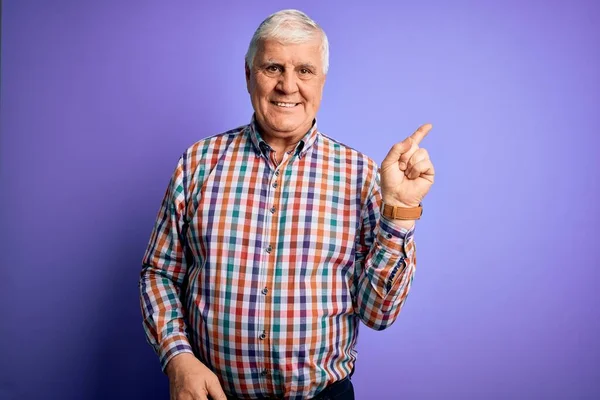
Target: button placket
[(274, 182), (261, 337), (271, 209)]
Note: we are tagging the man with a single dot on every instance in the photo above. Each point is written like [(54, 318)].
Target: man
[(274, 241)]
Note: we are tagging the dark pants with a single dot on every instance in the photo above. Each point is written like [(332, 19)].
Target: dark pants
[(340, 390)]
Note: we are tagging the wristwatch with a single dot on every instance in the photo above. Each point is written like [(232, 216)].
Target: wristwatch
[(402, 212)]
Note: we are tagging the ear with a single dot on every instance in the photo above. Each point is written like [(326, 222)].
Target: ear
[(247, 77)]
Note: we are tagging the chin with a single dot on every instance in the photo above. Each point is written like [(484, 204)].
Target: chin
[(285, 126), (281, 131)]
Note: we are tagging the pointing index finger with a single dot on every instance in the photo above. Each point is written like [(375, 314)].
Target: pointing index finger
[(421, 133)]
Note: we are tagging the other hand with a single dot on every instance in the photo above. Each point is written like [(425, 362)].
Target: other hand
[(189, 379)]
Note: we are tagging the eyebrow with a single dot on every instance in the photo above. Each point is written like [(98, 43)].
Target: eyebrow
[(274, 62), (308, 66)]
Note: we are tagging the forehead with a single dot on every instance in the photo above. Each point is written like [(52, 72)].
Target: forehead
[(271, 50)]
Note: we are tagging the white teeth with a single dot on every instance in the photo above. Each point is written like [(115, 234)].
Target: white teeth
[(285, 104)]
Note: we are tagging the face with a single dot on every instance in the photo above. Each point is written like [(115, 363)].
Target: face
[(286, 85)]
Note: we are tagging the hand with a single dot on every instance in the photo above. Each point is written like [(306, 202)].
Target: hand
[(189, 379), (407, 172)]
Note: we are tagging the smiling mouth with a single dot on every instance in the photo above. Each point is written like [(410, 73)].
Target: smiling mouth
[(284, 104)]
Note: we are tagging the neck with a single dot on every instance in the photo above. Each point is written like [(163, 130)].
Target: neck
[(281, 147), (281, 144)]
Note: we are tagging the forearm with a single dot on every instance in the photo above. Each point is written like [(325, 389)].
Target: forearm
[(385, 277), (163, 316)]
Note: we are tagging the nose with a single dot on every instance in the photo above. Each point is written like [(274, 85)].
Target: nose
[(287, 82)]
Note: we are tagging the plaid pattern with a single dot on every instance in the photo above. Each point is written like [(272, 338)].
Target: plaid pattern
[(265, 271)]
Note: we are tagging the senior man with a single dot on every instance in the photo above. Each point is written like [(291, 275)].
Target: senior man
[(274, 241)]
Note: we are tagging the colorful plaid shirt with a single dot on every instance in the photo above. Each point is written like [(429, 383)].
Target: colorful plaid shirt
[(264, 271)]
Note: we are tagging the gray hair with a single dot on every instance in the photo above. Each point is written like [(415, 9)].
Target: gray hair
[(288, 26)]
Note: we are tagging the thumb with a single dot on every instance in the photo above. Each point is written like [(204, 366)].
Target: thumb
[(396, 151)]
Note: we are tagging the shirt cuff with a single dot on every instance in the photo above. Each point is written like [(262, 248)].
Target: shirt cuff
[(171, 346), (392, 238)]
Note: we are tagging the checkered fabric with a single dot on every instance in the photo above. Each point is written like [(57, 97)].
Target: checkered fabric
[(264, 270)]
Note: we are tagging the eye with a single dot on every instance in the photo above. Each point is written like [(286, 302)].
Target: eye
[(305, 71), (273, 68)]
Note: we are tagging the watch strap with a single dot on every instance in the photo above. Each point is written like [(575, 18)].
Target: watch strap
[(393, 212)]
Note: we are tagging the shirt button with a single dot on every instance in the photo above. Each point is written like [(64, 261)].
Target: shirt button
[(276, 173), (265, 291), (389, 235), (269, 249), (275, 185), (263, 336), (272, 210), (264, 372)]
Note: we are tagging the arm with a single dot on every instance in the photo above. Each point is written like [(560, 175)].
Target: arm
[(385, 250), (385, 261), (163, 271)]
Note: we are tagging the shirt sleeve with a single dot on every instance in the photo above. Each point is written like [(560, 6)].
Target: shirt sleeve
[(385, 264), (163, 274)]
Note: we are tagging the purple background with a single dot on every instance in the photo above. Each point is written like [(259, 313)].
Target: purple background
[(100, 98)]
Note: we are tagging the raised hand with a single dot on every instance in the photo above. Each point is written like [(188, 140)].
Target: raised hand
[(407, 173)]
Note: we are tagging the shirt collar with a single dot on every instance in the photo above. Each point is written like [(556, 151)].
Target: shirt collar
[(261, 147)]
